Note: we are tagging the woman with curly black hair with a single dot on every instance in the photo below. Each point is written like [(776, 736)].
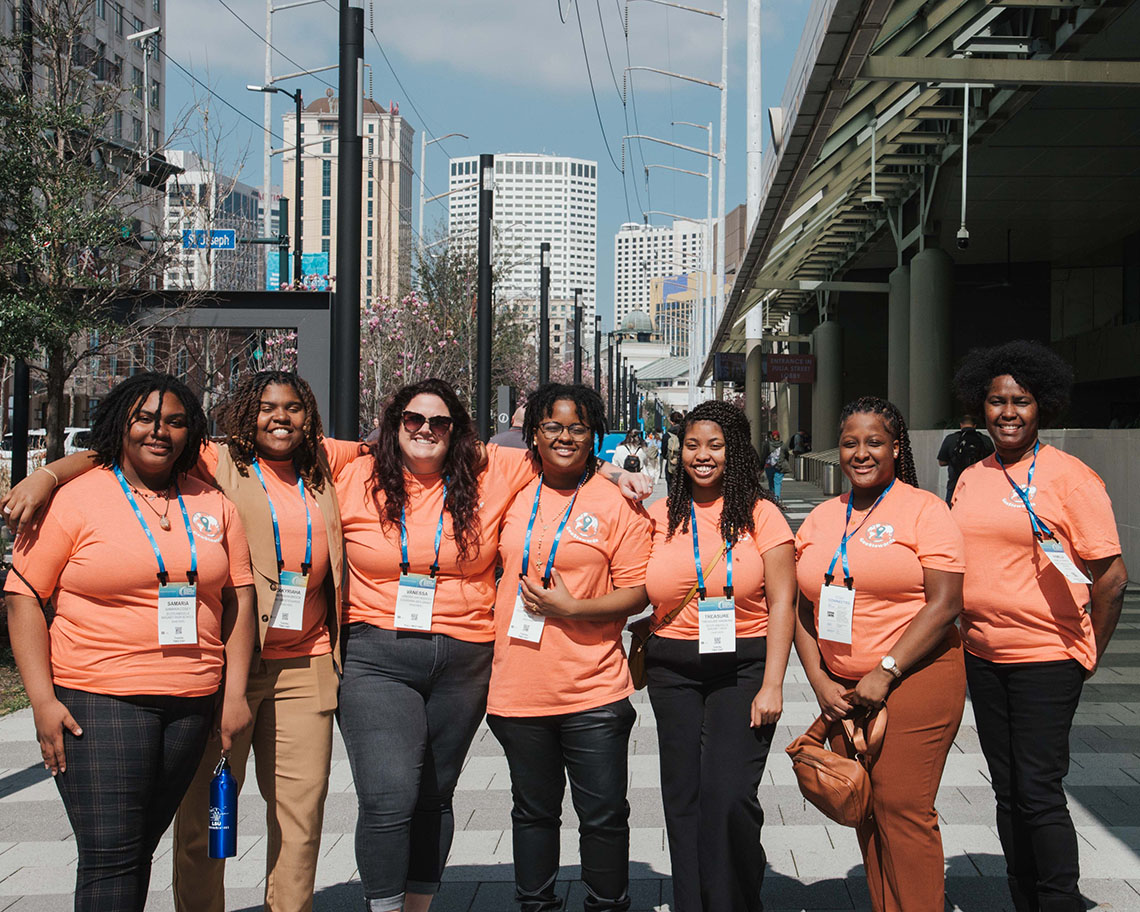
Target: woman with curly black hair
[(573, 552), (880, 577), (1044, 587), (149, 575), (722, 580)]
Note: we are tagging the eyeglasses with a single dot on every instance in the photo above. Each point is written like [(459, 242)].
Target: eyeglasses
[(552, 430), (439, 424)]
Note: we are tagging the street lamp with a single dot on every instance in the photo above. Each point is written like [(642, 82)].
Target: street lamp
[(424, 143), (148, 41), (296, 96)]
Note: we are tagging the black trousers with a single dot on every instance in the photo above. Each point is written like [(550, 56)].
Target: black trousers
[(711, 765), (590, 748), (1024, 712), (125, 777)]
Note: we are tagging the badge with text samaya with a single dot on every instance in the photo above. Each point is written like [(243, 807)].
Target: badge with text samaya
[(716, 617), (1052, 548), (837, 603), (524, 625), (177, 602), (289, 599), (415, 595)]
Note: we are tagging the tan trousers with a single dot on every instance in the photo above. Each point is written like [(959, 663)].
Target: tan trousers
[(901, 842), (292, 701)]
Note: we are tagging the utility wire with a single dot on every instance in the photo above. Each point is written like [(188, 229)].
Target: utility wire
[(189, 75), (606, 45), (261, 38)]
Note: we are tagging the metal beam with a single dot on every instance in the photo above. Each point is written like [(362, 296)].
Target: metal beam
[(1002, 72), (814, 285)]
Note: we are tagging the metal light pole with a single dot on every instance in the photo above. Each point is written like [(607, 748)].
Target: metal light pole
[(610, 382), (298, 271), (424, 143), (624, 398), (597, 354), (544, 313), (483, 311), (144, 38), (345, 377), (634, 417), (578, 336)]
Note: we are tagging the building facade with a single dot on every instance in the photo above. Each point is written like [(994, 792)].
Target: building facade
[(643, 253), (386, 189)]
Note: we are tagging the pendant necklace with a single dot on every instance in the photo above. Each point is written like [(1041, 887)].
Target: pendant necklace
[(163, 521)]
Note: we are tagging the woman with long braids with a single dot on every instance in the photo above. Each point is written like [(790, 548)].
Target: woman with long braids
[(574, 553), (1044, 587), (149, 575), (880, 577), (722, 580)]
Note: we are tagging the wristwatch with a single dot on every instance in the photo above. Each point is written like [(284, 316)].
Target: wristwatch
[(888, 663)]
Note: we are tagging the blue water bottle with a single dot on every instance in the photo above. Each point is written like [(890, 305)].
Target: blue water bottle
[(223, 811)]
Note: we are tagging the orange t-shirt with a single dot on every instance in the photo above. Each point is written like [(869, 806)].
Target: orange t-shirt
[(577, 664), (465, 591), (673, 572), (1017, 605), (910, 530), (90, 555), (281, 480)]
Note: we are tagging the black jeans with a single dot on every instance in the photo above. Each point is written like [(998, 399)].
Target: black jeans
[(125, 777), (712, 762), (1024, 712), (410, 704), (590, 748)]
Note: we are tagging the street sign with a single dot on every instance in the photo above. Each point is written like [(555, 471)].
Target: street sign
[(201, 239), (788, 368)]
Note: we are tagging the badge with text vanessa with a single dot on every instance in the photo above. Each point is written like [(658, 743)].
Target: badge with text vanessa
[(415, 596), (716, 617), (289, 599), (177, 602), (524, 625), (837, 603)]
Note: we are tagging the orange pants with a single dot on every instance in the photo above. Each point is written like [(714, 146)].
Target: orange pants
[(901, 842)]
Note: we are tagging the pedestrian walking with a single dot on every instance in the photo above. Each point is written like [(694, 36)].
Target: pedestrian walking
[(961, 450), (777, 460)]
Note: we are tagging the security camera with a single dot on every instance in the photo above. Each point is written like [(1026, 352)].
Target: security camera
[(874, 202), (963, 238)]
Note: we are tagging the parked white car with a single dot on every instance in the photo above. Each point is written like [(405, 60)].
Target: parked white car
[(75, 439)]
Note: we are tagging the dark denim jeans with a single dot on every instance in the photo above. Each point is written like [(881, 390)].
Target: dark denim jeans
[(590, 748), (409, 706)]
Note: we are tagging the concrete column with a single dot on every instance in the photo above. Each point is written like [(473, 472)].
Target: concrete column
[(754, 393), (898, 340), (931, 296), (827, 391), (788, 394)]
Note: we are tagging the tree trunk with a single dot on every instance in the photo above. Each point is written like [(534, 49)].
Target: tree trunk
[(56, 402)]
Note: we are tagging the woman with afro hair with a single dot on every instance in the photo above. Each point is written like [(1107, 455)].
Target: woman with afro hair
[(1043, 591), (722, 580), (880, 577)]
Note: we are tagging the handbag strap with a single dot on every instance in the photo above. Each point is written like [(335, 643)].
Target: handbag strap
[(672, 615)]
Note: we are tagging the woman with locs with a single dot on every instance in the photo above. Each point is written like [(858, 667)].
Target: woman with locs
[(1043, 592)]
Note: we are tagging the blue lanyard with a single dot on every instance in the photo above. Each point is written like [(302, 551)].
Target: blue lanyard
[(1040, 530), (404, 564), (163, 576), (697, 557), (308, 564), (557, 535), (841, 551)]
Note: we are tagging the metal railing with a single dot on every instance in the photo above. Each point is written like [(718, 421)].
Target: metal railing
[(822, 470)]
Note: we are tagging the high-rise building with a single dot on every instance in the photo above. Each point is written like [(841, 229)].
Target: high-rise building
[(202, 198), (386, 189), (537, 198), (643, 253)]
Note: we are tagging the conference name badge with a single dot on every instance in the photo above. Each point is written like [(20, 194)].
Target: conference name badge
[(524, 625), (836, 609), (415, 599), (1059, 559), (177, 614), (289, 602), (716, 624)]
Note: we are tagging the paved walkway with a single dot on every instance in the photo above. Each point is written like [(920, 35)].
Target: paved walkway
[(813, 865)]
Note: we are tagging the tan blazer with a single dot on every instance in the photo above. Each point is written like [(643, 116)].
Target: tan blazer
[(248, 496)]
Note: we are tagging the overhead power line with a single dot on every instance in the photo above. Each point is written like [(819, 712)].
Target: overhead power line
[(261, 38)]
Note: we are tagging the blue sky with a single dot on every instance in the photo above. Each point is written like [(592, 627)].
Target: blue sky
[(508, 73)]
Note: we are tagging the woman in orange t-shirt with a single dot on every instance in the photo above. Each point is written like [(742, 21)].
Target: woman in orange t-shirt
[(1033, 519), (717, 701), (148, 572), (880, 577), (574, 553)]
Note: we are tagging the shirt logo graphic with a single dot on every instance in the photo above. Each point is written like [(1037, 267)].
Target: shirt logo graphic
[(206, 527), (586, 528), (1014, 499), (879, 535)]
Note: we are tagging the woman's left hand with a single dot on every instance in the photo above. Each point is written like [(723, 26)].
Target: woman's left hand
[(767, 706), (872, 689), (235, 718), (634, 485), (553, 602)]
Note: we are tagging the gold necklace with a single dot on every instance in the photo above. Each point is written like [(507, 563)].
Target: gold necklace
[(163, 521)]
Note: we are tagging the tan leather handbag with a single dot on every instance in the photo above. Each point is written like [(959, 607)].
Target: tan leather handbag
[(840, 787)]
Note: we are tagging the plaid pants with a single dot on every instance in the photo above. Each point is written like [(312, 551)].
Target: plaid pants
[(125, 777)]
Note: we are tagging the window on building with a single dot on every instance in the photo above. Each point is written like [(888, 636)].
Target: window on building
[(326, 147), (101, 9), (368, 292), (182, 362), (326, 216), (155, 138), (119, 17), (137, 82), (328, 126), (324, 245), (156, 5), (117, 129), (155, 92), (370, 212), (138, 23), (136, 129), (326, 177), (369, 247)]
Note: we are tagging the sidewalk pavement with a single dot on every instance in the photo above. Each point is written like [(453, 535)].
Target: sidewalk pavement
[(812, 864)]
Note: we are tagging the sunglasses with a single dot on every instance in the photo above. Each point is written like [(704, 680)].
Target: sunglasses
[(413, 421)]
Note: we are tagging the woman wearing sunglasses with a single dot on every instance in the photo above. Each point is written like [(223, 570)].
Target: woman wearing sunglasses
[(574, 553), (421, 524)]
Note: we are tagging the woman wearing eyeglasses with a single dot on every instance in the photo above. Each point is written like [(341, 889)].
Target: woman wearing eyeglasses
[(574, 553)]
